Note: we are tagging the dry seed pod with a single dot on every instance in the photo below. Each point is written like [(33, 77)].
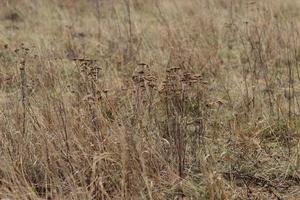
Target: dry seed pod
[(197, 75)]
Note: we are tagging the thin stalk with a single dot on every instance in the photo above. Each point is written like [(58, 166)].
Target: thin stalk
[(24, 96)]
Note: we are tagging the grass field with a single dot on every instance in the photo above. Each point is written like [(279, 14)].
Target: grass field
[(149, 99)]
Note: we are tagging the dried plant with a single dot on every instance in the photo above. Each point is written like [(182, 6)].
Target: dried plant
[(141, 99)]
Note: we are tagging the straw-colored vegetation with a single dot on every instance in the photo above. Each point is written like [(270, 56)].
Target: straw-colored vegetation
[(149, 99)]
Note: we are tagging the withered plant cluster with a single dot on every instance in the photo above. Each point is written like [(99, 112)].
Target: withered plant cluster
[(149, 100)]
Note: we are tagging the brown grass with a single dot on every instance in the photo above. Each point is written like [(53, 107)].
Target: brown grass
[(132, 99)]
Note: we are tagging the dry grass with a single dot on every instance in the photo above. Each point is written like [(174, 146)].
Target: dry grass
[(149, 99)]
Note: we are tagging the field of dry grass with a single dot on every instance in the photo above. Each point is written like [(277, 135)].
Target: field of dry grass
[(149, 99)]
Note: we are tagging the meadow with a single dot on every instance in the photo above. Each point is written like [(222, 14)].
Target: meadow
[(149, 99)]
